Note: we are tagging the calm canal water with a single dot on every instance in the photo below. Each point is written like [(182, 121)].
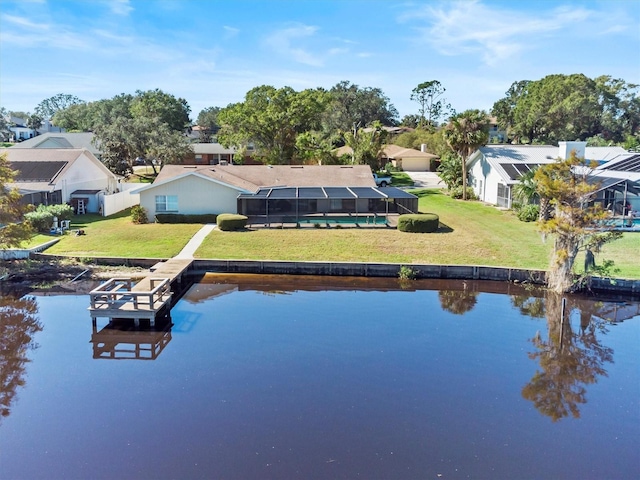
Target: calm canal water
[(306, 377)]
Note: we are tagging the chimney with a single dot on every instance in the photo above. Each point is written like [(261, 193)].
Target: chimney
[(565, 149), (423, 147)]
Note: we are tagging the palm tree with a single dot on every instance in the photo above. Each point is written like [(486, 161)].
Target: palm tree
[(527, 190), (465, 133)]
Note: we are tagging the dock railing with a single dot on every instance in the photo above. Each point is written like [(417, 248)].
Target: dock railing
[(117, 292)]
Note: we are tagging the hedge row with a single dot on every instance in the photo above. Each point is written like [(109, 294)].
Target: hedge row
[(177, 218), (419, 223)]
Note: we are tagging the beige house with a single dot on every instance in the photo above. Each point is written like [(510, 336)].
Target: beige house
[(263, 190), (410, 159), (407, 159)]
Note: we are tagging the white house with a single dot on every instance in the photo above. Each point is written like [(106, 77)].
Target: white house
[(20, 131), (495, 169), (54, 176)]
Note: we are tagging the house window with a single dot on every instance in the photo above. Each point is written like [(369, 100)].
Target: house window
[(166, 203), (198, 158)]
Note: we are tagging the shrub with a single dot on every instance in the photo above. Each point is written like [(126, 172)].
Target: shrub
[(529, 213), (407, 273), (139, 215), (419, 223), (178, 218), (41, 219), (456, 192), (62, 211), (230, 222)]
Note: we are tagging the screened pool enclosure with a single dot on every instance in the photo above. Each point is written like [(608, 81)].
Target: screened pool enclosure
[(300, 204)]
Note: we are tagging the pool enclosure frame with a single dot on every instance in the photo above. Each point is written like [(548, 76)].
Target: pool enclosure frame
[(296, 204)]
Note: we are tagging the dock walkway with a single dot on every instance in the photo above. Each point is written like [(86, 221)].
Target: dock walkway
[(143, 300)]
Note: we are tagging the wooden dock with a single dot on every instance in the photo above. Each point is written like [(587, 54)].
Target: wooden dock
[(143, 300)]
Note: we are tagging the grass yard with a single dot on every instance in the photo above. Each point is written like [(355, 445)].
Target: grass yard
[(117, 236), (401, 179), (471, 233)]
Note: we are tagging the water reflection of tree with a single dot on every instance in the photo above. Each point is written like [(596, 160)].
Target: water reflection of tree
[(569, 361), (18, 325), (458, 302)]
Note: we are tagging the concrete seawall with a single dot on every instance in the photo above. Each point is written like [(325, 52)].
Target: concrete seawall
[(455, 272)]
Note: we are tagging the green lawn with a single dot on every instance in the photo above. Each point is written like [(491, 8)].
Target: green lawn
[(470, 233), (401, 179), (117, 236)]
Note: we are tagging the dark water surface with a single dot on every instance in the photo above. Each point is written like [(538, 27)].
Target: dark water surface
[(306, 377)]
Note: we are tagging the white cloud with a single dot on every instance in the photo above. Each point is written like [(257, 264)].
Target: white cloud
[(120, 7), (230, 32), (494, 32), (282, 42), (23, 22)]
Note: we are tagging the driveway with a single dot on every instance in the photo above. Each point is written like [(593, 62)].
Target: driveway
[(426, 180)]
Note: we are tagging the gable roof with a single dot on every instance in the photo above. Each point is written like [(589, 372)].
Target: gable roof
[(39, 168), (251, 178), (396, 151), (61, 140), (390, 151)]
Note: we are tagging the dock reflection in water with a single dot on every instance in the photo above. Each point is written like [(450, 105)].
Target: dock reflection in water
[(303, 377), (122, 339)]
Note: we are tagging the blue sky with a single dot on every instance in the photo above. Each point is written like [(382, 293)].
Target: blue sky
[(212, 52)]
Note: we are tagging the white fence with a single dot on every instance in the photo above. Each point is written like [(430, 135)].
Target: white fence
[(117, 202)]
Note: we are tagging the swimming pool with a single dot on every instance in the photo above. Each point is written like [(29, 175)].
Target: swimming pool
[(350, 220), (623, 224)]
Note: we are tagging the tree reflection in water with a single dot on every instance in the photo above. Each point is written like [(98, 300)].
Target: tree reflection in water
[(569, 360), (458, 302), (18, 325)]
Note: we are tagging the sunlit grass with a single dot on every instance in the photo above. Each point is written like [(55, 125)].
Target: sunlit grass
[(471, 234)]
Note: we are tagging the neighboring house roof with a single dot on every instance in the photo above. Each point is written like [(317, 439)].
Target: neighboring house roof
[(390, 151), (250, 178), (211, 148), (61, 140), (627, 163), (396, 151), (38, 169), (392, 130), (512, 161)]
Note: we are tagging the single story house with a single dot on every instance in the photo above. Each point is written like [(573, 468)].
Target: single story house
[(272, 192), (210, 154), (62, 140), (407, 159), (55, 176), (495, 169), (410, 159)]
